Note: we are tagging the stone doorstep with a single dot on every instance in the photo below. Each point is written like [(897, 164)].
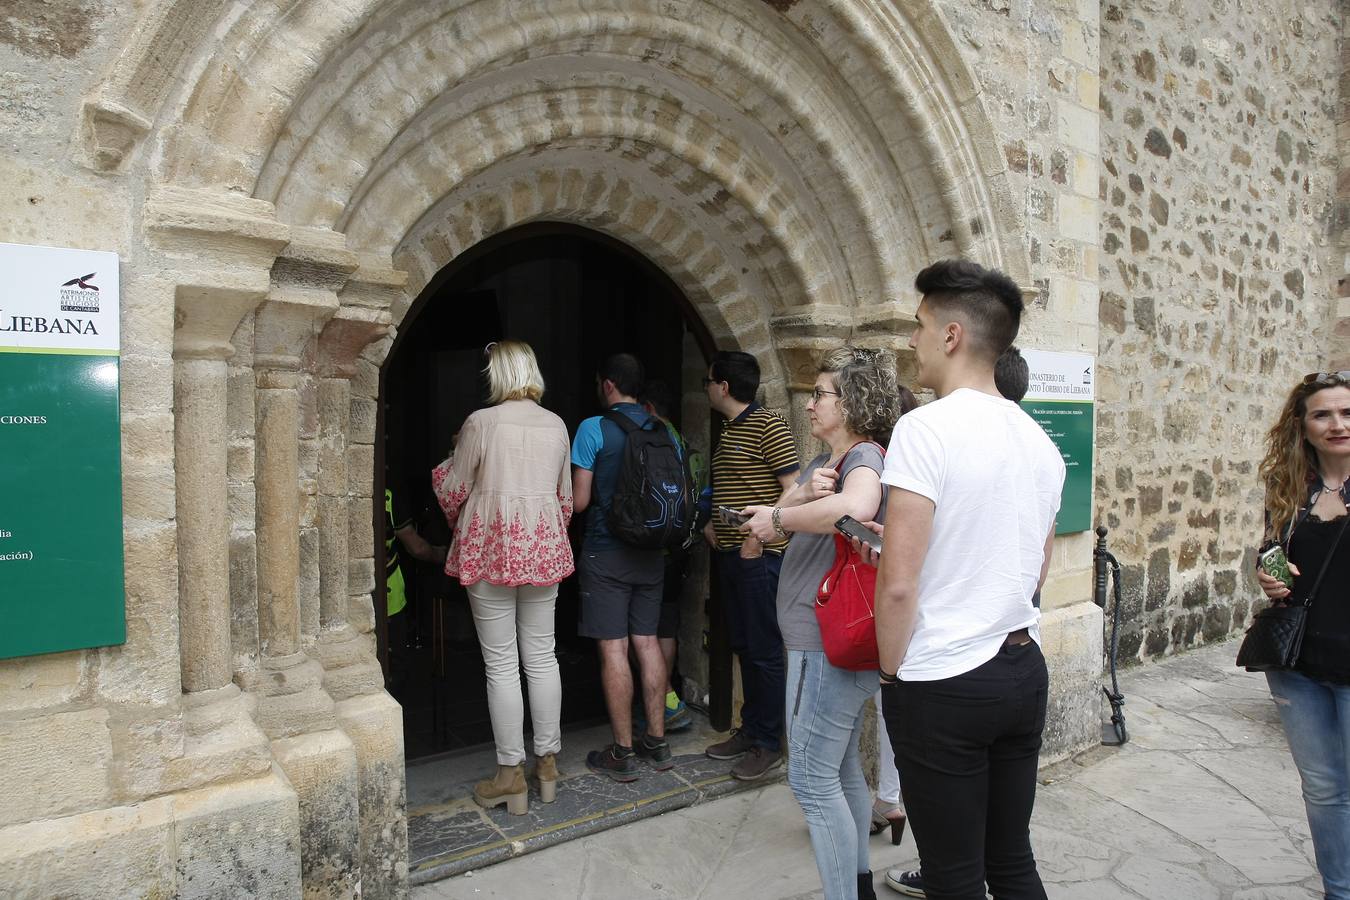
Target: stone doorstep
[(586, 804)]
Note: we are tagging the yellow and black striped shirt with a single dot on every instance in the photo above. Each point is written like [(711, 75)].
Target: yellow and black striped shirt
[(756, 448)]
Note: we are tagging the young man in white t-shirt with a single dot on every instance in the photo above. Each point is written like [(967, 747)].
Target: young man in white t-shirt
[(974, 487)]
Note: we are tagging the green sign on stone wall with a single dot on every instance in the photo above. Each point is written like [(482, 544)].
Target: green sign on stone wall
[(60, 451), (1060, 397)]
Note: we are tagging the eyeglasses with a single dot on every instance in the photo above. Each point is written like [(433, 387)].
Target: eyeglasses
[(707, 381), (1326, 377), (821, 392)]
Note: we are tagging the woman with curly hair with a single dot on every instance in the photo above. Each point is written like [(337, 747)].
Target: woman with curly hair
[(854, 405), (1307, 478)]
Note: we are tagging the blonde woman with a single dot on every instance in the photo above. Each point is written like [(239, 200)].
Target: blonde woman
[(1307, 479), (507, 494)]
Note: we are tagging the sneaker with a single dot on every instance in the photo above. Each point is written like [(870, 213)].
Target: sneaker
[(619, 763), (656, 751), (909, 883), (757, 763), (734, 747), (677, 717)]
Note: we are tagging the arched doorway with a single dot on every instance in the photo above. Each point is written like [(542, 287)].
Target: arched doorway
[(575, 295)]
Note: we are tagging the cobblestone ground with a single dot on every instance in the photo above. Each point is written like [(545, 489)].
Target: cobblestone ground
[(1202, 804)]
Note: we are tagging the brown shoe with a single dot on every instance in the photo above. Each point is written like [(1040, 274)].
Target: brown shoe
[(546, 770), (508, 786), (734, 747), (756, 763)]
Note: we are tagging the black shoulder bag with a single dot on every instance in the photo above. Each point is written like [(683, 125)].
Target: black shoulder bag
[(1276, 637)]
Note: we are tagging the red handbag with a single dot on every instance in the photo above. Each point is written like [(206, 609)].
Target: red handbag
[(846, 609)]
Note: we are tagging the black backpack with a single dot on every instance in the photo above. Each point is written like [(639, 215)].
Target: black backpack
[(653, 502)]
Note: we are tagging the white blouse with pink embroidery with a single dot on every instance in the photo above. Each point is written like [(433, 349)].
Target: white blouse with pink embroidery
[(507, 494)]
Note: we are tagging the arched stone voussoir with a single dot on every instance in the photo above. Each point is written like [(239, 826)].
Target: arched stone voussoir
[(727, 300), (751, 58), (579, 184), (803, 266)]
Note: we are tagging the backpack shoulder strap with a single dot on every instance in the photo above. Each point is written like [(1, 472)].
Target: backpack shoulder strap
[(626, 424)]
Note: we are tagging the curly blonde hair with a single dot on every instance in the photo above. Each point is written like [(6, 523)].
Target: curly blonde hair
[(870, 395), (1290, 465)]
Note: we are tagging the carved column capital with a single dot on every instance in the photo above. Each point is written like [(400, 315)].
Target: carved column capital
[(347, 334), (305, 280), (217, 248)]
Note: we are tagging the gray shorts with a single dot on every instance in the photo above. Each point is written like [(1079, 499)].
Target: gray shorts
[(620, 592)]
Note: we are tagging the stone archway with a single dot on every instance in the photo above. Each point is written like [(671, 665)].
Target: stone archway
[(308, 166)]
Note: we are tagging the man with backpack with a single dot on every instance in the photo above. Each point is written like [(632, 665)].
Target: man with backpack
[(629, 473)]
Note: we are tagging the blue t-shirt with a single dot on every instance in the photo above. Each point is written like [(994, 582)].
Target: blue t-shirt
[(598, 448)]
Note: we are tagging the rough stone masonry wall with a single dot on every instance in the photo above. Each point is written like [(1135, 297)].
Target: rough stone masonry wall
[(1037, 66), (1219, 160)]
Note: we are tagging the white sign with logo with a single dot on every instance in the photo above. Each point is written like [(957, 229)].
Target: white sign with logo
[(56, 299), (1060, 376)]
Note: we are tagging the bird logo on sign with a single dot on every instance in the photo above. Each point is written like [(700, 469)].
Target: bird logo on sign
[(83, 282)]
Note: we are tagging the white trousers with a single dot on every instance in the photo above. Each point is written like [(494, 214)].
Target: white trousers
[(507, 617), (888, 779)]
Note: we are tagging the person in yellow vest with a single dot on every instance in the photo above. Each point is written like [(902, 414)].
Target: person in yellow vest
[(400, 529)]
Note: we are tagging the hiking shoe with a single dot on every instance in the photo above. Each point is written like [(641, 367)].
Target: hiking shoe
[(756, 763), (734, 747), (619, 763), (909, 883), (656, 751), (678, 717)]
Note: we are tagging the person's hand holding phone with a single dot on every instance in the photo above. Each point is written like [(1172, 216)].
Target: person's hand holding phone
[(866, 552), (760, 523), (1272, 586)]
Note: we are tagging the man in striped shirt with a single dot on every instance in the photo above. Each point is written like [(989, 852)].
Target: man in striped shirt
[(755, 461)]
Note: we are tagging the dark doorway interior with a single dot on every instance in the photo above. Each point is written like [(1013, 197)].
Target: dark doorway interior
[(574, 296)]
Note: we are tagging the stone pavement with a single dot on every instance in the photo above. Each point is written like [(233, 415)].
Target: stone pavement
[(1202, 804)]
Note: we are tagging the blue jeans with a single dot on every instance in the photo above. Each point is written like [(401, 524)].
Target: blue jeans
[(1316, 719), (749, 589), (825, 717)]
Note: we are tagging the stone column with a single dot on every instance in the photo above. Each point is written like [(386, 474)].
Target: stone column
[(213, 251), (293, 707), (346, 645)]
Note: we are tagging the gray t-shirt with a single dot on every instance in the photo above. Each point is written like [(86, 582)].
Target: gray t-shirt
[(809, 556)]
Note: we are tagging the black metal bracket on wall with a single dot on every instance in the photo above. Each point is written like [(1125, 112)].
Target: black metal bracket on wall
[(1103, 562)]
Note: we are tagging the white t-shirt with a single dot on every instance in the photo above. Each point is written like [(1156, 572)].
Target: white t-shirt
[(994, 477)]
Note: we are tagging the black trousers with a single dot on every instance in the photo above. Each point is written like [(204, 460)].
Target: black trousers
[(966, 748), (749, 589)]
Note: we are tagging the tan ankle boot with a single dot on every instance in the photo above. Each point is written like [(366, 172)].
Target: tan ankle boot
[(546, 770), (507, 787)]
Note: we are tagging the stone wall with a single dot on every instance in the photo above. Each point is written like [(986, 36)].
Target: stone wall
[(1219, 159), (1037, 66)]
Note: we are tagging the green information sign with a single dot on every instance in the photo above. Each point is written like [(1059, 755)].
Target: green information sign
[(1060, 398), (61, 582)]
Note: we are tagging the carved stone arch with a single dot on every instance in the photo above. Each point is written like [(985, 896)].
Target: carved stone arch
[(789, 166)]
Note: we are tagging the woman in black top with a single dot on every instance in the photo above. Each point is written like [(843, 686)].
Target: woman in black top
[(1307, 477)]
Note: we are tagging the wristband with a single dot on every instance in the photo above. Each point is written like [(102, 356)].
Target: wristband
[(778, 521), (887, 678)]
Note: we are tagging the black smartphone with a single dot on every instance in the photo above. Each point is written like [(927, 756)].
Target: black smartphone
[(732, 517), (851, 527)]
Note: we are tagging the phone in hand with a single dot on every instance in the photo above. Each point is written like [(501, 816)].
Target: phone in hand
[(732, 517), (1276, 565), (851, 527)]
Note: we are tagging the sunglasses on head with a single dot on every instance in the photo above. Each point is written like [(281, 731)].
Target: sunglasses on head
[(1326, 377)]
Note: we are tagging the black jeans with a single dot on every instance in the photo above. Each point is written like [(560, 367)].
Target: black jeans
[(966, 748), (749, 595)]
